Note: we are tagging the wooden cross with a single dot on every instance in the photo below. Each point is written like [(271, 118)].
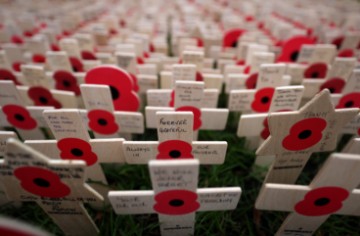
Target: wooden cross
[(57, 186), (73, 143), (295, 135), (103, 120), (16, 227), (332, 191), (175, 197), (26, 120)]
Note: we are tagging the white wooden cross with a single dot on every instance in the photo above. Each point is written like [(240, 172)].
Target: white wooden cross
[(73, 143), (103, 120), (175, 197), (188, 96), (294, 136), (332, 191), (57, 186), (7, 71), (27, 120)]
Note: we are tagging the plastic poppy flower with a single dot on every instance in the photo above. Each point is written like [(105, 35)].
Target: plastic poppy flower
[(338, 41), (292, 47), (121, 87), (247, 69), (231, 37), (346, 53), (304, 134), (335, 85), (199, 42), (316, 70), (42, 97), (76, 149), (240, 62), (17, 39), (87, 55), (322, 201), (197, 115), (350, 100), (199, 77), (134, 82), (176, 202), (8, 75), (16, 66), (251, 81), (38, 58), (265, 132), (41, 182), (76, 64), (65, 80), (28, 34), (19, 117), (139, 61), (55, 48), (262, 99), (174, 149), (102, 122), (172, 99)]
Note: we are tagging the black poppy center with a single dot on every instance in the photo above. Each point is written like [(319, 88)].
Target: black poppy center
[(43, 100), (66, 83), (265, 99), (176, 203), (294, 56), (115, 94), (75, 69), (234, 44), (315, 75), (305, 134), (349, 104), (175, 153), (322, 201), (76, 152), (332, 90), (41, 182), (19, 117), (102, 122)]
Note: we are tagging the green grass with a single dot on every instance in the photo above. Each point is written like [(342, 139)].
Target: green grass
[(238, 170)]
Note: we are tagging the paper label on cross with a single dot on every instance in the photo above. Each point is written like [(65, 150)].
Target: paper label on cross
[(183, 72), (317, 53), (58, 61)]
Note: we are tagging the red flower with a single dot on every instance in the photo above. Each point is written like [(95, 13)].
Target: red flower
[(240, 62), (316, 70), (87, 55), (124, 98), (55, 48), (135, 83), (247, 69), (76, 149), (19, 117), (42, 97), (172, 99), (66, 81), (176, 202), (174, 149), (28, 34), (322, 201), (102, 122), (17, 40), (335, 85), (139, 61), (304, 134), (38, 58), (265, 132), (262, 99), (231, 37), (199, 76), (41, 182), (346, 53), (16, 66), (76, 64), (251, 81), (8, 75), (199, 42), (350, 100), (292, 47), (338, 41), (197, 115)]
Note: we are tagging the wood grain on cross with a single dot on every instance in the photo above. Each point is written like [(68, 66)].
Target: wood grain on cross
[(332, 191), (175, 197), (294, 136), (57, 186)]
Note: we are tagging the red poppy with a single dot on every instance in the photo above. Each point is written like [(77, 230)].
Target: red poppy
[(338, 41), (87, 55), (16, 66), (28, 34), (240, 62), (124, 98), (113, 31), (197, 115), (19, 117), (42, 97), (316, 70), (8, 75), (199, 42), (152, 47), (139, 60), (102, 122), (251, 81), (38, 58), (55, 48), (247, 69), (262, 99), (76, 64), (304, 134), (17, 40), (76, 149), (66, 81), (199, 76), (231, 37), (350, 100), (41, 182), (134, 82), (174, 149), (346, 53), (66, 33), (265, 132), (335, 85), (172, 99), (292, 47), (322, 201), (176, 202)]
